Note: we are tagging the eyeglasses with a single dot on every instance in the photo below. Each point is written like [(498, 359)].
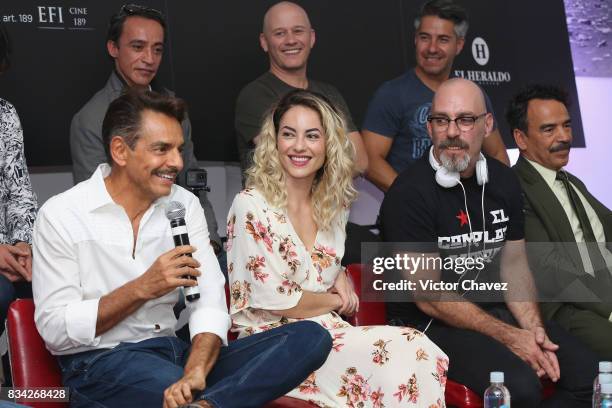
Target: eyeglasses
[(464, 123), (132, 9)]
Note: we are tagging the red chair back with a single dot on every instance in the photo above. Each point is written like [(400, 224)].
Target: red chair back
[(31, 363), (370, 313), (288, 402)]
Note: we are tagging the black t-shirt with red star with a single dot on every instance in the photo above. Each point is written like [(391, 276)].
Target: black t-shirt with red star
[(418, 210)]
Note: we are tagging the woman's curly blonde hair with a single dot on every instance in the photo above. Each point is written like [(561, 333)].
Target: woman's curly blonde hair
[(332, 189)]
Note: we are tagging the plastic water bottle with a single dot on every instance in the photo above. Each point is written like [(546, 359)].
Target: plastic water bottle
[(605, 367), (605, 397), (497, 395), (604, 378)]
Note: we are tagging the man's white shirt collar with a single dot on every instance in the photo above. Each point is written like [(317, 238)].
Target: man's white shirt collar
[(98, 195)]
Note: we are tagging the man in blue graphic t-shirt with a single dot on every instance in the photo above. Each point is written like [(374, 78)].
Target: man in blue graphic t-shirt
[(394, 130)]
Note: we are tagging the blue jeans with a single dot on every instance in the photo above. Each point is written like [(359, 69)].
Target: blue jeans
[(248, 373), (7, 295), (10, 291)]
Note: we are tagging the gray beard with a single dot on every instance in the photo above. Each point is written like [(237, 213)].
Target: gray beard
[(455, 165)]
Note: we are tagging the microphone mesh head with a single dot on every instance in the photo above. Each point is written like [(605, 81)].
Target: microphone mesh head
[(175, 210)]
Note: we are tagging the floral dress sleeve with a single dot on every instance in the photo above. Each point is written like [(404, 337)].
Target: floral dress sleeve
[(262, 261)]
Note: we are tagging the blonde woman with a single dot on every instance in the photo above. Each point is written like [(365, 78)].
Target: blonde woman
[(286, 235)]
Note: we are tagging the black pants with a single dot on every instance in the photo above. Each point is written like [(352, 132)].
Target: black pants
[(474, 355)]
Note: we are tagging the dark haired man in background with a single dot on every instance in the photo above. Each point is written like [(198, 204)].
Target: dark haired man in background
[(559, 209), (135, 41), (395, 126)]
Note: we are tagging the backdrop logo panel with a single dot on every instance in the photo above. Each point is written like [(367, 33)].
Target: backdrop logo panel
[(50, 17), (481, 54), (480, 51)]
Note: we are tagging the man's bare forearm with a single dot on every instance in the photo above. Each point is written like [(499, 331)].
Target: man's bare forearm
[(361, 156), (527, 314), (380, 173), (163, 276), (204, 353), (467, 315), (117, 305), (377, 148)]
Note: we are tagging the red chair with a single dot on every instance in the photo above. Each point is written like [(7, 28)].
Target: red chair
[(370, 313), (33, 366), (374, 313), (288, 402)]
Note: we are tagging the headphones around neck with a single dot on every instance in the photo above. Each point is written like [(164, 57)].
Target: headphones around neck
[(449, 179)]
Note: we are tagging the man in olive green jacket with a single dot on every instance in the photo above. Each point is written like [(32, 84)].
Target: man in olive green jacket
[(574, 280)]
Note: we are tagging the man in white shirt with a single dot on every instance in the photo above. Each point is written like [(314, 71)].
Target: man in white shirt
[(573, 269), (106, 276)]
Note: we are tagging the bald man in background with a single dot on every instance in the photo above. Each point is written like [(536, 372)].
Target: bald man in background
[(287, 37)]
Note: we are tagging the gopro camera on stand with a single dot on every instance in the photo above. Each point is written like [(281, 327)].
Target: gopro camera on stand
[(197, 180)]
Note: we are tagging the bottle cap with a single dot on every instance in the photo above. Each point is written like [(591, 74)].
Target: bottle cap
[(605, 378), (497, 377), (605, 366), (606, 388)]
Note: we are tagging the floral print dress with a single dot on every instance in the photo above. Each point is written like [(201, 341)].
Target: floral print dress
[(371, 366)]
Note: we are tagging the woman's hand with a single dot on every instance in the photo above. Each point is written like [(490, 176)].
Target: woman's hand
[(344, 288)]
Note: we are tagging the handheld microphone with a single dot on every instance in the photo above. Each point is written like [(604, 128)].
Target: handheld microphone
[(175, 212)]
